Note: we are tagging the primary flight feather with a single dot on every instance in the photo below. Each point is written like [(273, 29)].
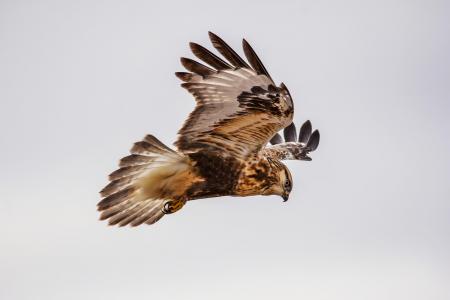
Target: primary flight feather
[(222, 148)]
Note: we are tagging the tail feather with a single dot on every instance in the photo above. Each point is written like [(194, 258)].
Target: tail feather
[(116, 198), (130, 212), (155, 216), (127, 171), (153, 212), (134, 160), (116, 186), (137, 211), (157, 143), (125, 201)]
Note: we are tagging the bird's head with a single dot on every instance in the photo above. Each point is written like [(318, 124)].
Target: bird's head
[(282, 181)]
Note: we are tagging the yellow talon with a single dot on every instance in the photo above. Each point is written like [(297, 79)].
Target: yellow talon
[(173, 206)]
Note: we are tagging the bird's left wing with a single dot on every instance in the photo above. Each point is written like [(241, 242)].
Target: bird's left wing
[(239, 108), (293, 147)]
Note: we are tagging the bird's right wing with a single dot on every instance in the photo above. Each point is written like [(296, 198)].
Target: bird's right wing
[(239, 108)]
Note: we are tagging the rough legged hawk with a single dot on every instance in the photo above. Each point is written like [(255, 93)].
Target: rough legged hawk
[(222, 148)]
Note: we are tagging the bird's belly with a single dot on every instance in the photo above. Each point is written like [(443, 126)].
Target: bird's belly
[(208, 190)]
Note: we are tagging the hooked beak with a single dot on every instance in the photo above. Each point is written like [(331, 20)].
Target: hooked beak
[(285, 197)]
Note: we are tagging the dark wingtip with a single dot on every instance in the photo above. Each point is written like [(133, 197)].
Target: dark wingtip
[(276, 139), (184, 76), (290, 133), (208, 57), (227, 52), (305, 132), (211, 34), (254, 60), (313, 142), (196, 67)]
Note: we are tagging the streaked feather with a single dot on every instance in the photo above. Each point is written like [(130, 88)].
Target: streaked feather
[(147, 149), (305, 132), (313, 141), (116, 198), (254, 60), (135, 159), (126, 197), (154, 209), (276, 139), (290, 133), (185, 76), (292, 150), (158, 144), (117, 185), (156, 215), (125, 212), (227, 51), (127, 171), (237, 113), (209, 57), (135, 212), (196, 67)]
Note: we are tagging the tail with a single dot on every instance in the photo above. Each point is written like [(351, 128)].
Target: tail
[(134, 194)]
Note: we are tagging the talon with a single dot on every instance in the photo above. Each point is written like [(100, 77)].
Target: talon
[(173, 206)]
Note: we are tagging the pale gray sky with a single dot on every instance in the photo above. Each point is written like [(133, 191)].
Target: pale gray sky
[(369, 217)]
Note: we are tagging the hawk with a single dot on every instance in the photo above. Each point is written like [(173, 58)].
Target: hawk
[(222, 148)]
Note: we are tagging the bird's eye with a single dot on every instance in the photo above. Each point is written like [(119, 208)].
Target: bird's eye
[(287, 185)]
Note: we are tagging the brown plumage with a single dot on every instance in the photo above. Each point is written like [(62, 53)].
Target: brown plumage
[(221, 148)]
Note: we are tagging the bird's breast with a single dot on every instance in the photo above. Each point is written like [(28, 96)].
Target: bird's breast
[(253, 179)]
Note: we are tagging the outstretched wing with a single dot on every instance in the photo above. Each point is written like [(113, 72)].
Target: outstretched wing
[(293, 148), (238, 109)]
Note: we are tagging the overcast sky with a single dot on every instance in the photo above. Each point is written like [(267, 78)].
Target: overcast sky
[(369, 217)]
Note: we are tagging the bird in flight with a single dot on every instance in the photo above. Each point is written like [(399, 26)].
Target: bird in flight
[(228, 146)]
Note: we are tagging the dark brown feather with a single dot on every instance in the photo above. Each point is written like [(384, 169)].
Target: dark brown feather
[(305, 132), (157, 143), (135, 160), (196, 67), (185, 76), (145, 148), (290, 133), (116, 198), (227, 51), (209, 57), (126, 171), (277, 139), (313, 142), (127, 214), (154, 208), (253, 59), (116, 185)]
